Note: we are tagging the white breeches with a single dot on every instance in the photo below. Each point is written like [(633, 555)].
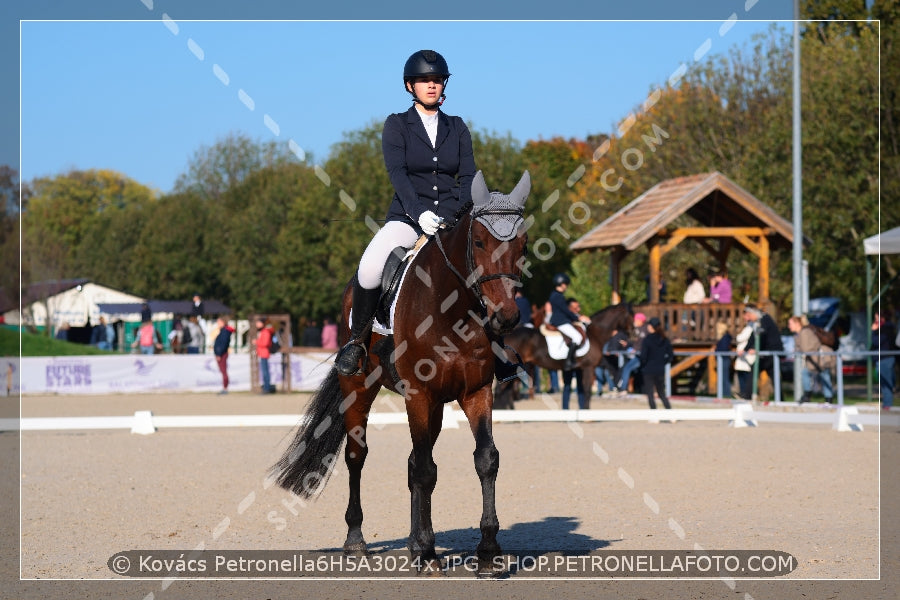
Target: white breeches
[(393, 234), (571, 332)]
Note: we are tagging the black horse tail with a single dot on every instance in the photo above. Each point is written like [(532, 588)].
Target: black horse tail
[(306, 465)]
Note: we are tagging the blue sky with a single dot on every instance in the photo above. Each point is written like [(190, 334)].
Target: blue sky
[(140, 97)]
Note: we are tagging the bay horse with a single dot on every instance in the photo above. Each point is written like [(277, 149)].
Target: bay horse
[(453, 306), (531, 346)]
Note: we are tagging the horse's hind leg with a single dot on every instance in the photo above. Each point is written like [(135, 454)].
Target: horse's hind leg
[(359, 401), (477, 408)]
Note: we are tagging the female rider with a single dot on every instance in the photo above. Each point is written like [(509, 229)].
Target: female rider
[(429, 160)]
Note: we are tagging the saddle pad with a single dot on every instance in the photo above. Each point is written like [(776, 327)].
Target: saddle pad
[(558, 349), (387, 328)]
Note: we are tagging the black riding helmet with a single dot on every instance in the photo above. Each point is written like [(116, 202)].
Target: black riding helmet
[(560, 278), (422, 64)]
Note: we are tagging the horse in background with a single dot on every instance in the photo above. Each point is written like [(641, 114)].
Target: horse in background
[(531, 346), (453, 306)]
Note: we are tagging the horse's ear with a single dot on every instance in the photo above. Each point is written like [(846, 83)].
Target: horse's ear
[(480, 194), (522, 189)]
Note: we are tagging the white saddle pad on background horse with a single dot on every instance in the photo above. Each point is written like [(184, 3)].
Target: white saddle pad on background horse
[(559, 349)]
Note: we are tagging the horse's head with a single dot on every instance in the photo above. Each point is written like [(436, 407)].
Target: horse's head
[(497, 248)]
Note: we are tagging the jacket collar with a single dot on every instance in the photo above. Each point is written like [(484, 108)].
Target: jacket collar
[(414, 121)]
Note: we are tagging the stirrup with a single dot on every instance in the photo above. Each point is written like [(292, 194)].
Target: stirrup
[(344, 369)]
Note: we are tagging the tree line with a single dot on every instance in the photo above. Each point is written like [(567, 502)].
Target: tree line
[(250, 224)]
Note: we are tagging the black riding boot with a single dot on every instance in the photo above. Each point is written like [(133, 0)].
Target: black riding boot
[(364, 303), (507, 371), (570, 360)]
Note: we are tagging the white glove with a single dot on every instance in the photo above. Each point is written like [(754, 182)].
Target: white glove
[(429, 222)]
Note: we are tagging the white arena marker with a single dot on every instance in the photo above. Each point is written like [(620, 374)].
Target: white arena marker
[(272, 125), (195, 49), (143, 423), (727, 25), (576, 429), (246, 99), (221, 75), (842, 423), (651, 503), (742, 412), (170, 24), (626, 478), (296, 149)]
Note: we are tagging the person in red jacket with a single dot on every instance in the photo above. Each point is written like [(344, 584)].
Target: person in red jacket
[(263, 351)]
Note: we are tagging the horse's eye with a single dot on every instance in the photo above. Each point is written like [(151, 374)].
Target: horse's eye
[(479, 244)]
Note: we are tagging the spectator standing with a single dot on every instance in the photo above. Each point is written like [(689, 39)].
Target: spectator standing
[(570, 374), (329, 334), (656, 353), (723, 349), (264, 333), (312, 335), (100, 335), (883, 333), (196, 339), (769, 336), (743, 364), (146, 313), (221, 346), (814, 367), (147, 338), (63, 332)]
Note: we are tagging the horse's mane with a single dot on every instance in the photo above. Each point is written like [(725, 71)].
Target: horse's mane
[(463, 210)]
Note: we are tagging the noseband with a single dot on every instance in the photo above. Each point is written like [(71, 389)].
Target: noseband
[(473, 281)]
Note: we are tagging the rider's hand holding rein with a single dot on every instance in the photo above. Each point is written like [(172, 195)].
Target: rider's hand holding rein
[(429, 222)]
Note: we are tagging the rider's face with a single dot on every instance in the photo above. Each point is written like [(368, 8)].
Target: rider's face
[(427, 89)]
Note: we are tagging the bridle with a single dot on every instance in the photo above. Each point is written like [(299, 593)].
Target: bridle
[(474, 280)]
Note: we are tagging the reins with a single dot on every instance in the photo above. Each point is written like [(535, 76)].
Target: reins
[(473, 282)]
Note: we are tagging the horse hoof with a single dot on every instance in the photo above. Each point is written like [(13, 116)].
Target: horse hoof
[(357, 549)]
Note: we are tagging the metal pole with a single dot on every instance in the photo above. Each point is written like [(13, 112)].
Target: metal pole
[(798, 188)]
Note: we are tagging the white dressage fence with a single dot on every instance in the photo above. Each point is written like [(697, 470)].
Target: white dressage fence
[(742, 414)]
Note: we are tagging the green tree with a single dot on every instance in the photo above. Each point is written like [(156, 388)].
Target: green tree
[(215, 169)]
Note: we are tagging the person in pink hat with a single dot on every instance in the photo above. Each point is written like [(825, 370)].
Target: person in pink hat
[(632, 360)]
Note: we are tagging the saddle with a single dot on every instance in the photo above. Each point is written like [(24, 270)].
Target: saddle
[(394, 268)]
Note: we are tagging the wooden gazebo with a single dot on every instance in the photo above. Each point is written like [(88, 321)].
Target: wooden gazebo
[(728, 216)]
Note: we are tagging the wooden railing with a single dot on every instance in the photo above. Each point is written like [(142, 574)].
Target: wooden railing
[(694, 323)]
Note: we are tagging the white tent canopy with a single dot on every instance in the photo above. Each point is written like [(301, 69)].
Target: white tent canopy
[(886, 242)]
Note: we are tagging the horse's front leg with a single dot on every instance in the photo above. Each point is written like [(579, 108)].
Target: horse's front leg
[(477, 408), (422, 478)]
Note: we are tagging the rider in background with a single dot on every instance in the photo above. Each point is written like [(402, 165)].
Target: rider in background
[(563, 318), (429, 159)]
